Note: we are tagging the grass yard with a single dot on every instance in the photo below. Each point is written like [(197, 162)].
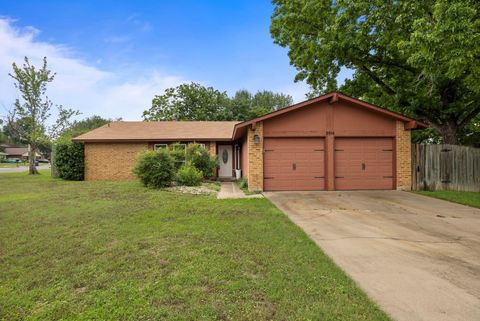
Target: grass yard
[(118, 251), (12, 165), (465, 198)]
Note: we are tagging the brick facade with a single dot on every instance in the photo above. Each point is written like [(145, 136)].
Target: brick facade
[(111, 161), (404, 157), (255, 158), (212, 148)]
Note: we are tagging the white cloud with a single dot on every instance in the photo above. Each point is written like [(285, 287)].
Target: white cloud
[(78, 84)]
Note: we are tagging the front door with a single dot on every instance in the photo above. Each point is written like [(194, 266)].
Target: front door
[(225, 160)]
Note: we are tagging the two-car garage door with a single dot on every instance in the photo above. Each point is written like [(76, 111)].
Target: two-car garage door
[(299, 163)]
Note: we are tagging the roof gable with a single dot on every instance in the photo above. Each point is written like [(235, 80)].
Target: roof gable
[(334, 97)]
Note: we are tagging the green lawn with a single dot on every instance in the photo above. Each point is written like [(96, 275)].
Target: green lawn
[(118, 251), (465, 198), (10, 165)]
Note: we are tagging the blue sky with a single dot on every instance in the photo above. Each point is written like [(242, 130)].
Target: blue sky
[(111, 57)]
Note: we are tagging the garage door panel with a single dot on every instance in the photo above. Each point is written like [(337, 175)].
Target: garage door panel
[(281, 154), (363, 163)]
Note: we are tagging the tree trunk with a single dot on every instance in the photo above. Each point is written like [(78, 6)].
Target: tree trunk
[(449, 132), (32, 170)]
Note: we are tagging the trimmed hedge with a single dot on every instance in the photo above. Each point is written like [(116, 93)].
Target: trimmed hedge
[(69, 160)]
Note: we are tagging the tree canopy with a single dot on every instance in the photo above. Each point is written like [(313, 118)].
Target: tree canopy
[(79, 127), (196, 102), (420, 58)]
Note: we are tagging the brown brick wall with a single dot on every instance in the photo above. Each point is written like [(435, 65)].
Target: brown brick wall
[(212, 148), (255, 159), (404, 157), (111, 161)]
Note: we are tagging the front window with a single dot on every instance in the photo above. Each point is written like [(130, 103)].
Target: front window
[(179, 147), (159, 146)]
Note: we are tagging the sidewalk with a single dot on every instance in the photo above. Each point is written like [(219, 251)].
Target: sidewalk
[(231, 190), (20, 169)]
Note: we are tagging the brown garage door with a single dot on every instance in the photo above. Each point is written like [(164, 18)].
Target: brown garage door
[(294, 164), (363, 163)]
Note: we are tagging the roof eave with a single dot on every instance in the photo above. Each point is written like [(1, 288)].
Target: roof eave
[(129, 140)]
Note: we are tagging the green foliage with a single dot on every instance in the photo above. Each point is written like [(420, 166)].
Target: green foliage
[(242, 183), (188, 102), (201, 159), (416, 57), (243, 105), (28, 119), (188, 175), (85, 125), (196, 102), (178, 153), (69, 160), (155, 168)]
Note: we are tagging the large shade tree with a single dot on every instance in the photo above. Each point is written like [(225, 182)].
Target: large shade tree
[(196, 102), (188, 102), (30, 120), (244, 105), (417, 57)]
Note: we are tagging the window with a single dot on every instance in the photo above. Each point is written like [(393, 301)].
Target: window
[(180, 146), (159, 146), (201, 145)]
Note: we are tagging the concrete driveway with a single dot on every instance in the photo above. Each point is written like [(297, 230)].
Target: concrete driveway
[(416, 256)]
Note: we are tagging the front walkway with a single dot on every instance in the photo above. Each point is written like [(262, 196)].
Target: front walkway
[(417, 257), (231, 190)]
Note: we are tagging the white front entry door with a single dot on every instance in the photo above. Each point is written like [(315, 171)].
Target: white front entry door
[(225, 160)]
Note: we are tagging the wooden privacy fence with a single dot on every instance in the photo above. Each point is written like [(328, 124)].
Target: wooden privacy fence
[(445, 167)]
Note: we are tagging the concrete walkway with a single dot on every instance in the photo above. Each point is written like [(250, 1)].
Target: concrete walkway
[(417, 257), (20, 169), (231, 190)]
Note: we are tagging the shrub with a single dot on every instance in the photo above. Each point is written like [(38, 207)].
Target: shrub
[(155, 168), (199, 157), (242, 183), (178, 153), (69, 160), (188, 175)]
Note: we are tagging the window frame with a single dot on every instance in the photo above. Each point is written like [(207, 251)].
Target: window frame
[(162, 145)]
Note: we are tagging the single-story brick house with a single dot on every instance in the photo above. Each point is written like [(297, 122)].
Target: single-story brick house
[(332, 142)]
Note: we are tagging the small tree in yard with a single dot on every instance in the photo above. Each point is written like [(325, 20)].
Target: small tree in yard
[(30, 115)]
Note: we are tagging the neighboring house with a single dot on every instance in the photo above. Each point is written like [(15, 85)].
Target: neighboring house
[(14, 152), (333, 142)]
